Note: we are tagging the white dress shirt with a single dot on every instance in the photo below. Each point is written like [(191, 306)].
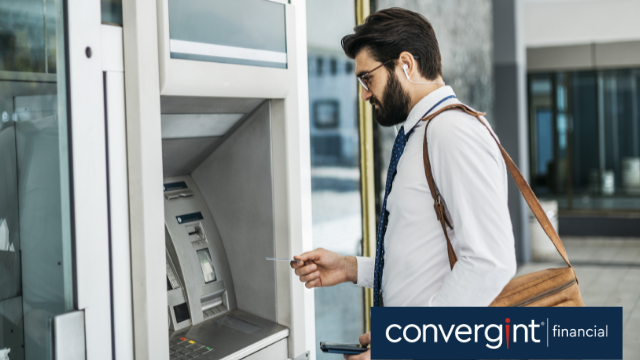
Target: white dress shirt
[(471, 175)]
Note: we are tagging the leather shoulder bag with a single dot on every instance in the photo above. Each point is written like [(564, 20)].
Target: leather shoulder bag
[(551, 287)]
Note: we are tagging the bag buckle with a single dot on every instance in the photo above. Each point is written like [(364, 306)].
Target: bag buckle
[(438, 206)]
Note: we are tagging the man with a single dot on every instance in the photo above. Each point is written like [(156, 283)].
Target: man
[(398, 66)]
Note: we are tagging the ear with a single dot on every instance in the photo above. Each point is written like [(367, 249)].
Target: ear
[(409, 64)]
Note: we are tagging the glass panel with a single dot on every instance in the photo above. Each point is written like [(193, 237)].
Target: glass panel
[(542, 134), (620, 178), (35, 233), (595, 164), (246, 32), (207, 267), (335, 174), (584, 152), (561, 137), (111, 12)]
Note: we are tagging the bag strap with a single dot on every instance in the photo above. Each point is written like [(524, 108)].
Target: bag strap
[(524, 187)]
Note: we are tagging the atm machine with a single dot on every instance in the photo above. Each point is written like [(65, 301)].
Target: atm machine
[(232, 184), (218, 208)]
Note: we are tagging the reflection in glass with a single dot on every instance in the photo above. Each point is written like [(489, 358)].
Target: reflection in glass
[(35, 233), (245, 32), (335, 174), (207, 266), (111, 12), (595, 158)]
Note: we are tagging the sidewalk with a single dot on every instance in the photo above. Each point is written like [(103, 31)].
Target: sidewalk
[(609, 273)]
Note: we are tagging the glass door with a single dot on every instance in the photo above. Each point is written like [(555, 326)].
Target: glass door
[(335, 161), (40, 277)]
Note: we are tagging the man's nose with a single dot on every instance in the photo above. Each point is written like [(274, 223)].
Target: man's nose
[(365, 94)]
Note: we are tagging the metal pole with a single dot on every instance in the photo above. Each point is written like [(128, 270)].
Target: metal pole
[(367, 176)]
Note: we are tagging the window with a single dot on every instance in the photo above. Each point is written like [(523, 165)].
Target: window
[(585, 139), (326, 113), (335, 172)]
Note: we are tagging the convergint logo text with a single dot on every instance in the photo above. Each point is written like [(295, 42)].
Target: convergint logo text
[(492, 335), (496, 333)]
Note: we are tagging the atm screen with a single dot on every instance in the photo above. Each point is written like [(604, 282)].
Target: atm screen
[(206, 265)]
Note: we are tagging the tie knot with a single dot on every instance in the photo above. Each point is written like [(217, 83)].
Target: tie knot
[(401, 140)]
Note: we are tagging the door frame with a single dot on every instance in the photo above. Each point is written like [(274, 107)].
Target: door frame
[(87, 148)]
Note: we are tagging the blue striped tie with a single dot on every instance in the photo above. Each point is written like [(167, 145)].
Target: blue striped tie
[(398, 148)]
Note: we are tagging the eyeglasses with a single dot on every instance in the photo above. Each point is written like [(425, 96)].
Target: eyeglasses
[(362, 79)]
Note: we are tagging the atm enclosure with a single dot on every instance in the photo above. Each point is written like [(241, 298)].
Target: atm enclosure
[(233, 126)]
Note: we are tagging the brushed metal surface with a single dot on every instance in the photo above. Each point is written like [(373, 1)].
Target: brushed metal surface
[(230, 343), (68, 336), (237, 184), (276, 350), (183, 251)]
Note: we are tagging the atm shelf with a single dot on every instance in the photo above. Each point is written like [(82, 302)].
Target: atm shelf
[(226, 337)]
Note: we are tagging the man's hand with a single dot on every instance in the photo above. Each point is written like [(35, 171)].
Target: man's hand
[(322, 267), (365, 339)]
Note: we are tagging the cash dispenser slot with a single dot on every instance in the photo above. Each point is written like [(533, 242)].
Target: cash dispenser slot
[(221, 301)]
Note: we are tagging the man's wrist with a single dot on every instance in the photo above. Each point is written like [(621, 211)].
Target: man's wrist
[(351, 269)]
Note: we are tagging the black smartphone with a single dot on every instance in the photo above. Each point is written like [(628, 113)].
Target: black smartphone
[(335, 348)]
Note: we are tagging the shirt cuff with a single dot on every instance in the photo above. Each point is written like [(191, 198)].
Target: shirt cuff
[(366, 269)]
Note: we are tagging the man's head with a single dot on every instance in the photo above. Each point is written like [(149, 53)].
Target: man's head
[(394, 37)]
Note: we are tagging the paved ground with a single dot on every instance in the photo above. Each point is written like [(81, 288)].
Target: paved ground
[(609, 275)]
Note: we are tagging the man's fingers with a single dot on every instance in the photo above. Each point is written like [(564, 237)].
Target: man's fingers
[(364, 356), (310, 255), (313, 284), (296, 264), (308, 269), (365, 339), (309, 277)]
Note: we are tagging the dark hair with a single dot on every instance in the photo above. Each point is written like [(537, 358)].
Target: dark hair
[(387, 33)]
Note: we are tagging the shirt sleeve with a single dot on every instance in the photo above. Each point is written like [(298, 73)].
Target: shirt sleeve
[(471, 175), (366, 268)]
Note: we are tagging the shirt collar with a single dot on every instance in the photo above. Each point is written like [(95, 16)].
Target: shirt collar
[(428, 102)]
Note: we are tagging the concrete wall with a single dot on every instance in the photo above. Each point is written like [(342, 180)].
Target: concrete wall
[(464, 32), (581, 34), (565, 22)]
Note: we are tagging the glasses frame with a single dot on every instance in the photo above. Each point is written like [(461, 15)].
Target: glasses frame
[(361, 78)]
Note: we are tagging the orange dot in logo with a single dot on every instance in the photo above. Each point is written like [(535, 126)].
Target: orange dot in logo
[(508, 320)]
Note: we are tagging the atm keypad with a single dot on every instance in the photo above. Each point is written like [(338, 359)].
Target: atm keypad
[(184, 349)]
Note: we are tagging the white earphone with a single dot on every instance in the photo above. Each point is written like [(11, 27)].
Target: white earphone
[(405, 67)]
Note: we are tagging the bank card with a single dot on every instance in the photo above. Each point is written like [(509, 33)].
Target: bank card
[(281, 259)]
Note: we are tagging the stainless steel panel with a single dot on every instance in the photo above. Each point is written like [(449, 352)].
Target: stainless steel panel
[(204, 105), (183, 126), (230, 343), (183, 251), (182, 156), (236, 183), (68, 336), (277, 351)]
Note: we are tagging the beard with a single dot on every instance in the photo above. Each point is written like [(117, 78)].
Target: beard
[(396, 103)]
